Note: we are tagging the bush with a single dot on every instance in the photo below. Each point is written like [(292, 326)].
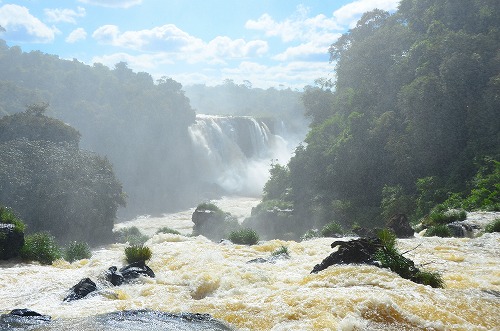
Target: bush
[(331, 229), (494, 226), (137, 253), (132, 235), (439, 230), (432, 279), (283, 250), (41, 247), (166, 229), (7, 216), (440, 217), (390, 258), (244, 237), (77, 251)]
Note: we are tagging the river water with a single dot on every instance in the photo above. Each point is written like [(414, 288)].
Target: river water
[(196, 275)]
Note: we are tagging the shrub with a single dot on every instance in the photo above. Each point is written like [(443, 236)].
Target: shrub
[(494, 226), (440, 217), (132, 235), (166, 229), (331, 229), (77, 251), (283, 250), (7, 216), (41, 247), (432, 279), (390, 258), (439, 230), (245, 236), (137, 253)]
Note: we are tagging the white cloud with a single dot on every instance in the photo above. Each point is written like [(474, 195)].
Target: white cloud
[(76, 35), (298, 27), (349, 14), (170, 39), (21, 26), (164, 38), (112, 3), (64, 15), (312, 50), (292, 74)]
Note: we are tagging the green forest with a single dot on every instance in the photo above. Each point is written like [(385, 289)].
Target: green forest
[(410, 123)]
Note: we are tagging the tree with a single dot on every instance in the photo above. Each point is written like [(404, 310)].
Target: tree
[(52, 184)]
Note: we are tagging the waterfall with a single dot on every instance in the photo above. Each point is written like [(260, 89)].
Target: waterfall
[(235, 152)]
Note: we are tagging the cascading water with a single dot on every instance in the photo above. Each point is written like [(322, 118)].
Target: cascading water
[(235, 152)]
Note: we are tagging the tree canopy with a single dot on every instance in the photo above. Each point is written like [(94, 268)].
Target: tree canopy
[(52, 184), (416, 96)]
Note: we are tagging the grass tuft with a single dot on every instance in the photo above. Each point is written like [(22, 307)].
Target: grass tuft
[(245, 236), (137, 253)]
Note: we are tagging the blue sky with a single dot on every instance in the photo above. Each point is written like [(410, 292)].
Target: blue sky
[(270, 43)]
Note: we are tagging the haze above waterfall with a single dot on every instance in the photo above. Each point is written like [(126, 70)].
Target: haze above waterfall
[(236, 151)]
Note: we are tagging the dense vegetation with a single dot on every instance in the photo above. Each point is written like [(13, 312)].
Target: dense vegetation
[(140, 124), (52, 184), (411, 120)]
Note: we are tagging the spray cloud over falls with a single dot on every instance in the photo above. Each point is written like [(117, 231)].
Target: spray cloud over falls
[(236, 151)]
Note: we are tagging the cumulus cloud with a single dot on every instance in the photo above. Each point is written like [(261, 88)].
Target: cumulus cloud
[(76, 35), (312, 51), (170, 39), (349, 14), (64, 15), (21, 26), (112, 3), (298, 27)]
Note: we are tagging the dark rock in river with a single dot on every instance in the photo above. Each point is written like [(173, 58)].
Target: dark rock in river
[(462, 228), (23, 319), (80, 290), (129, 320), (360, 250), (11, 241), (129, 272), (401, 226)]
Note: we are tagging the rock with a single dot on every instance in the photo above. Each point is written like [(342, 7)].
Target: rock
[(401, 226), (119, 320), (23, 319), (80, 290), (127, 273), (24, 312), (213, 223), (462, 229), (360, 250), (114, 276), (11, 241)]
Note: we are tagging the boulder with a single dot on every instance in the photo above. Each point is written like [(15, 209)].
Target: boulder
[(129, 272), (24, 312), (11, 241), (360, 250), (401, 226), (80, 290)]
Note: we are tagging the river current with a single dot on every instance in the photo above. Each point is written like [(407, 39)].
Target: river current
[(196, 275)]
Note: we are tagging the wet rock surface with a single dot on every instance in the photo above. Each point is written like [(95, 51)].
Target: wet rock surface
[(360, 250), (128, 320)]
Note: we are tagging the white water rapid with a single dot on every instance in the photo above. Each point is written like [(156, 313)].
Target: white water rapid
[(196, 275)]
